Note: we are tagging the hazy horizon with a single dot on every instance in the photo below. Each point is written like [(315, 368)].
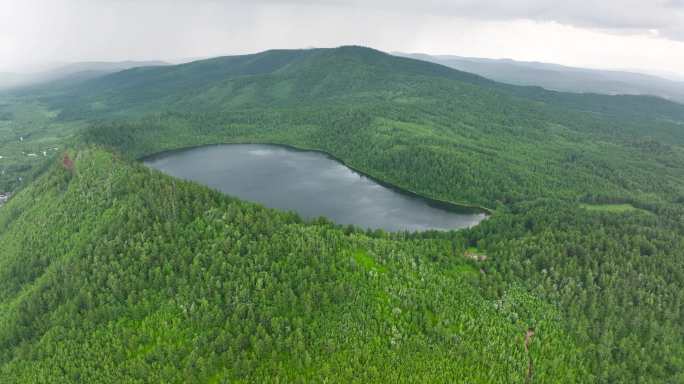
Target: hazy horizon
[(617, 34), (47, 67)]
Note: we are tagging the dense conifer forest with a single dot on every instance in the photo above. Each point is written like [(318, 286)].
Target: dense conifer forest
[(113, 272)]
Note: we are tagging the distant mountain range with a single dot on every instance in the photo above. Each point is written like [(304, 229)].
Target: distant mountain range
[(561, 78), (74, 72), (546, 75)]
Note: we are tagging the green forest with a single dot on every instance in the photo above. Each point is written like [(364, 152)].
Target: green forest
[(111, 272)]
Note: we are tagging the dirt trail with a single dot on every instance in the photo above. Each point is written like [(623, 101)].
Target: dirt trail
[(67, 162), (530, 366)]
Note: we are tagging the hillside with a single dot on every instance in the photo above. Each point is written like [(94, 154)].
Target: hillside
[(356, 75), (562, 78), (141, 277), (587, 193), (275, 78)]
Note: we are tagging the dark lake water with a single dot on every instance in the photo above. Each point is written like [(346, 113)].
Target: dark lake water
[(309, 183)]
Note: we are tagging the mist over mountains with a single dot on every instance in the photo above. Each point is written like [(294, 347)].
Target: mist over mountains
[(550, 76), (562, 78), (73, 72)]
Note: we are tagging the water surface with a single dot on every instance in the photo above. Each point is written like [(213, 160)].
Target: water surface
[(309, 183)]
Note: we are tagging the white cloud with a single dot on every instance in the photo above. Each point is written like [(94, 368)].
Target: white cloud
[(666, 16), (608, 33)]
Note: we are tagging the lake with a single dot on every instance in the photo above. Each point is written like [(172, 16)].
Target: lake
[(311, 184)]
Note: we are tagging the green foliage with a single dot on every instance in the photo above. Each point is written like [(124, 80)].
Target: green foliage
[(29, 136), (426, 128), (612, 208), (366, 261), (137, 277), (617, 278)]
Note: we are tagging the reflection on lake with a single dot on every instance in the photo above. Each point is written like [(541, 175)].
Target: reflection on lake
[(309, 183)]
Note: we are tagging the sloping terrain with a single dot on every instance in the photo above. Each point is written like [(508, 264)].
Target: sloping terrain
[(110, 272), (346, 75)]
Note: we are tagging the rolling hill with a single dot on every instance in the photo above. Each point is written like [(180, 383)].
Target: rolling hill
[(355, 74)]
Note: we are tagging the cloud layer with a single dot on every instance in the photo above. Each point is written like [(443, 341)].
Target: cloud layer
[(606, 33), (664, 17)]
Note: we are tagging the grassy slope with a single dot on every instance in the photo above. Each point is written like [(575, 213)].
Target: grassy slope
[(136, 277)]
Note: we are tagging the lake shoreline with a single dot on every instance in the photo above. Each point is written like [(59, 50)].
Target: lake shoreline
[(443, 204)]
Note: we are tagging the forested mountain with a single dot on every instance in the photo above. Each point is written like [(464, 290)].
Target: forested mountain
[(347, 75), (137, 276), (562, 78), (292, 73), (528, 142)]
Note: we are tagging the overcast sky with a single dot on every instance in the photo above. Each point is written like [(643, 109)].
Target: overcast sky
[(635, 34)]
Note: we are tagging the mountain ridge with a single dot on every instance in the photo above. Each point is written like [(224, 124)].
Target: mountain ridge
[(320, 73), (562, 78)]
